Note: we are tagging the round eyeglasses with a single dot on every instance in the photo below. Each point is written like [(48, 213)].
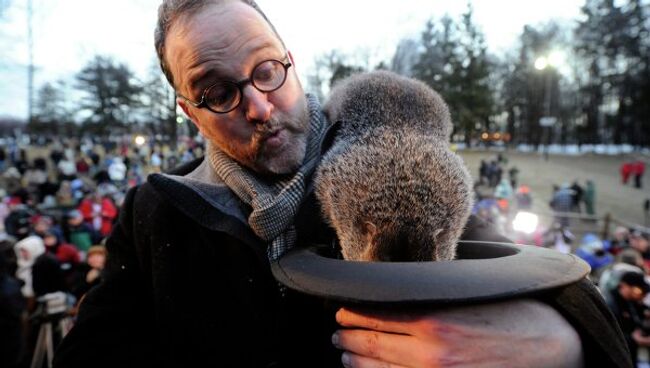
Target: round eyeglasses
[(225, 95)]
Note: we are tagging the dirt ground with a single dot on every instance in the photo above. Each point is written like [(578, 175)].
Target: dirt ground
[(622, 202)]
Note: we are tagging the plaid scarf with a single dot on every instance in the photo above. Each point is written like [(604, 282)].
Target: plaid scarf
[(274, 204)]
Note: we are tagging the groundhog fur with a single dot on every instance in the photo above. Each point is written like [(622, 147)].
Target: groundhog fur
[(390, 186)]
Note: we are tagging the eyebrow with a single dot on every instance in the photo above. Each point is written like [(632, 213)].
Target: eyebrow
[(197, 78)]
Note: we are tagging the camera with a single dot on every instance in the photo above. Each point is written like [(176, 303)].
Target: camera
[(52, 305)]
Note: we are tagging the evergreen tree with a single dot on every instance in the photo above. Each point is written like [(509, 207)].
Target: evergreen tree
[(529, 94), (455, 63), (612, 42), (159, 100), (112, 94), (475, 98), (50, 112)]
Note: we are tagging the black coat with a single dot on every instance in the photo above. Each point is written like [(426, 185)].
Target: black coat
[(188, 284)]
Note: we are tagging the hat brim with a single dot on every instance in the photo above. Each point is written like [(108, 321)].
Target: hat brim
[(483, 271)]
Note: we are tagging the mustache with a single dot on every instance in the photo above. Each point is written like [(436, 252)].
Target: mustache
[(267, 129)]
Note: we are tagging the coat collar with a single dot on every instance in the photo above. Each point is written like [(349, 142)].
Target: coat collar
[(212, 206), (195, 190)]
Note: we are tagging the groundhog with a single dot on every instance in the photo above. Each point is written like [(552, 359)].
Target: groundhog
[(390, 186)]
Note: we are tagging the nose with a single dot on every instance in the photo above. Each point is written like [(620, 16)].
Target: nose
[(258, 108)]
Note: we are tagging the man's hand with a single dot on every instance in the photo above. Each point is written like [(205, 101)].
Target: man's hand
[(520, 333)]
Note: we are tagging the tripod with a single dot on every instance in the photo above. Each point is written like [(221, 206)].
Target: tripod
[(51, 314), (54, 327)]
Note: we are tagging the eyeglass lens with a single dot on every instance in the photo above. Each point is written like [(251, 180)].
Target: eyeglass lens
[(226, 95)]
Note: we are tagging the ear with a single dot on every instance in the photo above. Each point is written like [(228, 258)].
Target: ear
[(190, 114), (369, 231), (291, 58), (369, 228)]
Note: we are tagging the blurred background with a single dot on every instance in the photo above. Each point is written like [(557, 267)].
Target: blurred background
[(550, 103)]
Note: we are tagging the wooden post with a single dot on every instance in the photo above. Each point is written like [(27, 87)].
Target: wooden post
[(606, 221)]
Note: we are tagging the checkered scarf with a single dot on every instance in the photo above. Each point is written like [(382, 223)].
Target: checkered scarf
[(274, 204)]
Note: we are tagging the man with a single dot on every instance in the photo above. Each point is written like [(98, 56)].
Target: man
[(630, 311), (187, 282)]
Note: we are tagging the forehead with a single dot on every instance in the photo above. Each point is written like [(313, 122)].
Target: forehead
[(219, 37)]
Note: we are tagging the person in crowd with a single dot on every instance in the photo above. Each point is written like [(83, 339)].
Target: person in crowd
[(577, 196), (592, 251), (27, 251), (640, 241), (589, 198), (156, 161), (626, 171), (558, 237), (214, 227), (48, 275), (523, 198), (494, 173), (13, 308), (620, 240), (628, 260), (8, 253), (35, 177), (99, 211), (631, 311), (117, 170), (68, 257), (56, 154), (92, 270), (44, 224), (513, 173), (79, 233), (483, 172), (12, 181), (503, 193), (638, 169), (20, 162), (82, 165), (64, 196), (67, 169), (3, 159), (562, 202), (18, 222)]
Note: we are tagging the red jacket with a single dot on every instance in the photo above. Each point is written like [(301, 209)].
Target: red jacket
[(101, 218)]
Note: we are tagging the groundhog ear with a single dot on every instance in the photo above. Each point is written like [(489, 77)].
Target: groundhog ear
[(369, 229)]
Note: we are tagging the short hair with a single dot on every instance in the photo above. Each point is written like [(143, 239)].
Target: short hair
[(171, 10), (635, 279)]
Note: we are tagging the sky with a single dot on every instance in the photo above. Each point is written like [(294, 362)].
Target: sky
[(68, 33)]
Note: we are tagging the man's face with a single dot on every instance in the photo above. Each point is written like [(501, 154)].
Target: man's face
[(629, 292), (267, 131), (96, 261), (50, 240)]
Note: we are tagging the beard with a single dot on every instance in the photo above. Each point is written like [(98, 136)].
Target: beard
[(277, 146)]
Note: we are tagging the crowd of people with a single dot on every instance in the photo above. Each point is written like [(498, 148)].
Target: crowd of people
[(59, 201), (621, 269), (620, 264), (498, 196), (59, 204)]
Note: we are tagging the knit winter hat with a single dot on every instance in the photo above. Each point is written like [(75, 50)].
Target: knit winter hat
[(636, 279)]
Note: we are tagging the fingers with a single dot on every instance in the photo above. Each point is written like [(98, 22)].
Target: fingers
[(400, 350), (398, 323), (351, 360)]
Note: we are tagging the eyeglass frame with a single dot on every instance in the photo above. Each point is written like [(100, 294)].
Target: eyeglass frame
[(240, 86)]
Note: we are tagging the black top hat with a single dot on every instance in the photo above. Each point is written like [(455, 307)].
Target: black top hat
[(483, 271)]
